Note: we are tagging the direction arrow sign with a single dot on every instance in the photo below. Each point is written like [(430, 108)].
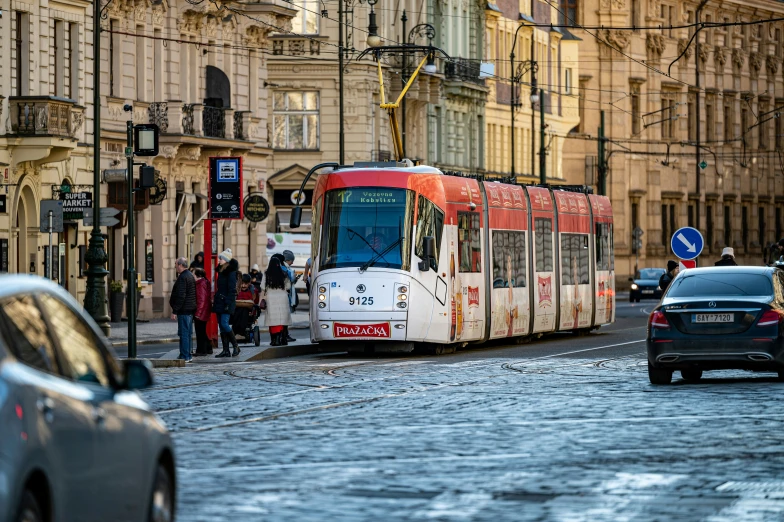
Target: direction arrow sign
[(687, 243), (107, 218)]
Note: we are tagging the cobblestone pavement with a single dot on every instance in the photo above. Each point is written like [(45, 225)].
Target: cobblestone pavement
[(567, 429)]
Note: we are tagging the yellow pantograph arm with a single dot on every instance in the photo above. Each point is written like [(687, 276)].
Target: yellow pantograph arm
[(391, 108)]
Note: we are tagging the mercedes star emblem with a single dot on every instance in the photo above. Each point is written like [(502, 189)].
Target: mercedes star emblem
[(712, 304), (361, 289)]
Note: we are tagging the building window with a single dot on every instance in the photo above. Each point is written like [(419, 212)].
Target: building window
[(778, 224), (710, 119), (692, 119), (727, 226), (762, 127), (22, 53), (744, 124), (430, 222), (114, 58), (636, 112), (72, 72), (667, 15), (636, 15), (667, 114), (668, 225), (744, 225), (779, 130), (141, 64), (728, 134), (568, 81), (691, 214), (568, 13), (58, 48), (296, 120), (469, 246), (709, 224), (761, 226), (307, 21)]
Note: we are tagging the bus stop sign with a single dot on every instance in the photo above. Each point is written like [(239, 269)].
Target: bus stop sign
[(687, 243)]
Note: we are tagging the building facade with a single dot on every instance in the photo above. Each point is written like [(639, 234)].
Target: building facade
[(555, 55), (654, 180), (196, 70)]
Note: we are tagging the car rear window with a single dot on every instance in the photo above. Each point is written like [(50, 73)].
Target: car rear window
[(721, 284)]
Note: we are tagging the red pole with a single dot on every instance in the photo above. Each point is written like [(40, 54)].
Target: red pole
[(209, 268)]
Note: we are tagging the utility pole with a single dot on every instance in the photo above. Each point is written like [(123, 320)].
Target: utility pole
[(342, 144), (514, 101), (542, 151), (697, 110), (403, 39), (131, 255), (95, 295), (534, 67), (602, 167)]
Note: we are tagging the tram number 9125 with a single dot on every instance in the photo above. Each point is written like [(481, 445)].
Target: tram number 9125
[(360, 301)]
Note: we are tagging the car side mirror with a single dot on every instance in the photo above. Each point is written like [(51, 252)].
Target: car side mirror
[(428, 253), (137, 374), (296, 217)]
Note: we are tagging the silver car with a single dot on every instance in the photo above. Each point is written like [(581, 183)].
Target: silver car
[(76, 442)]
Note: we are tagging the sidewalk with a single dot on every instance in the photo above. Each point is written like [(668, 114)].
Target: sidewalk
[(158, 331)]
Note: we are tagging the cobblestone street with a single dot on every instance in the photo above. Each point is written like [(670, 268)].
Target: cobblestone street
[(566, 428)]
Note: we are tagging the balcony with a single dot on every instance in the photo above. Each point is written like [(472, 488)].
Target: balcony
[(46, 116), (463, 69), (294, 46), (200, 122)]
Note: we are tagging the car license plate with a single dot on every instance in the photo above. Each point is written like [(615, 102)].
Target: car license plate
[(378, 330), (712, 318), (647, 291)]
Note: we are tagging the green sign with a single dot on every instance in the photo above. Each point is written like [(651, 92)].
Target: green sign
[(65, 188), (703, 165)]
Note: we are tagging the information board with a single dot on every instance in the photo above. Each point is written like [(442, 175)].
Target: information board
[(225, 188)]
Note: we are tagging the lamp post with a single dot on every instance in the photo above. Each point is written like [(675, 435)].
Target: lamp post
[(532, 66), (542, 149), (95, 295), (429, 32)]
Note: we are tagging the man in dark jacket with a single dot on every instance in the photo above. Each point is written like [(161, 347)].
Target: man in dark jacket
[(672, 270), (727, 257), (183, 305)]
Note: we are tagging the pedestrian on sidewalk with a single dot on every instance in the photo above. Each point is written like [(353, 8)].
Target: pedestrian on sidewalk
[(202, 315), (275, 287), (225, 300), (288, 261), (727, 258), (183, 305), (198, 261)]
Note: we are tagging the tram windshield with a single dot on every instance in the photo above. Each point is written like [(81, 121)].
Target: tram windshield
[(367, 226)]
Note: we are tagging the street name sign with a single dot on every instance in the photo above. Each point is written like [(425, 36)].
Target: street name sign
[(107, 218), (56, 206), (687, 243)]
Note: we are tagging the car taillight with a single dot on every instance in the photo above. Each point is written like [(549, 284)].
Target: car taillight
[(658, 321), (771, 317)]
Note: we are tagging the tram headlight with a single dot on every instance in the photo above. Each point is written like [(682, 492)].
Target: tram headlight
[(403, 289), (322, 289), (402, 297), (322, 305), (322, 297), (401, 305)]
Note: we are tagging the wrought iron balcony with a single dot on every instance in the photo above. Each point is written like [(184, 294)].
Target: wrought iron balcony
[(187, 118), (45, 116), (159, 115), (214, 122), (463, 69)]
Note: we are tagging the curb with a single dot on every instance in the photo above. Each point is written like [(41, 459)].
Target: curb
[(285, 351), (169, 340), (158, 363)]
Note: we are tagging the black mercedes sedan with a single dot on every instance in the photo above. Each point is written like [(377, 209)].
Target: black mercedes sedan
[(647, 285), (718, 318)]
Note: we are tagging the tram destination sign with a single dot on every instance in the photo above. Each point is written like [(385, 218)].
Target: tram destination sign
[(74, 204), (226, 188)]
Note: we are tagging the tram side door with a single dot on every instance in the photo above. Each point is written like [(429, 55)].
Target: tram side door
[(543, 281), (429, 311)]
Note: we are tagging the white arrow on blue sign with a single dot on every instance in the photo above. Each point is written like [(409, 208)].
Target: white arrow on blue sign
[(687, 243)]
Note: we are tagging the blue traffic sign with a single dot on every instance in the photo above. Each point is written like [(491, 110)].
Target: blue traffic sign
[(687, 243)]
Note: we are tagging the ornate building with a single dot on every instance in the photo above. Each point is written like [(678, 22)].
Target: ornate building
[(198, 70), (737, 199), (555, 53)]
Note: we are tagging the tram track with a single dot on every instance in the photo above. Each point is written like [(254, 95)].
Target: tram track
[(333, 405)]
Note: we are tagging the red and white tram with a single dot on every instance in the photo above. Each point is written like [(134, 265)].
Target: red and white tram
[(408, 255)]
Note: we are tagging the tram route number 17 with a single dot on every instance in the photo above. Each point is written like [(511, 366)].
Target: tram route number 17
[(360, 300)]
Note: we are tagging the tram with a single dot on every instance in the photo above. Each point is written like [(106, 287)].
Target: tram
[(406, 255)]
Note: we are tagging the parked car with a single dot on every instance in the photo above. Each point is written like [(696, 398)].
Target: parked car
[(718, 318), (646, 285), (76, 441)]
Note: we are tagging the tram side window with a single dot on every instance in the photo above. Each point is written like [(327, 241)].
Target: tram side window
[(575, 261), (315, 231), (468, 244), (508, 259), (543, 229), (429, 223), (604, 247)]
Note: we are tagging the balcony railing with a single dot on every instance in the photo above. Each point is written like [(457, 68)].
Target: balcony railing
[(239, 133), (214, 122), (187, 118), (159, 115), (45, 116), (463, 69), (296, 47)]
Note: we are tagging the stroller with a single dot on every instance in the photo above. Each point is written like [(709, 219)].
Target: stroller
[(246, 315)]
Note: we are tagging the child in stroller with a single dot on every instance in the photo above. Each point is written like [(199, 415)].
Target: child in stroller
[(247, 312)]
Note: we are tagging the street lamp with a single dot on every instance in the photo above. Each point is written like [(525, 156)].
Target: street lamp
[(373, 39), (419, 30), (528, 65)]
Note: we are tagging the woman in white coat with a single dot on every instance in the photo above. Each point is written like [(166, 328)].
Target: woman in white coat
[(275, 287)]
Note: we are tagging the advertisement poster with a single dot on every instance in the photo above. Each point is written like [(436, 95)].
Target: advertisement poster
[(299, 244)]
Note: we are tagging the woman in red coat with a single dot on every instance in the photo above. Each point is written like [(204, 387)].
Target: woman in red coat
[(202, 315)]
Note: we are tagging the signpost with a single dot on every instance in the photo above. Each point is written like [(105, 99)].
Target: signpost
[(106, 219), (225, 188), (51, 221), (687, 243)]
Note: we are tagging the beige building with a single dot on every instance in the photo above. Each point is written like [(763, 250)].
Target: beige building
[(556, 55), (197, 72), (652, 118)]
